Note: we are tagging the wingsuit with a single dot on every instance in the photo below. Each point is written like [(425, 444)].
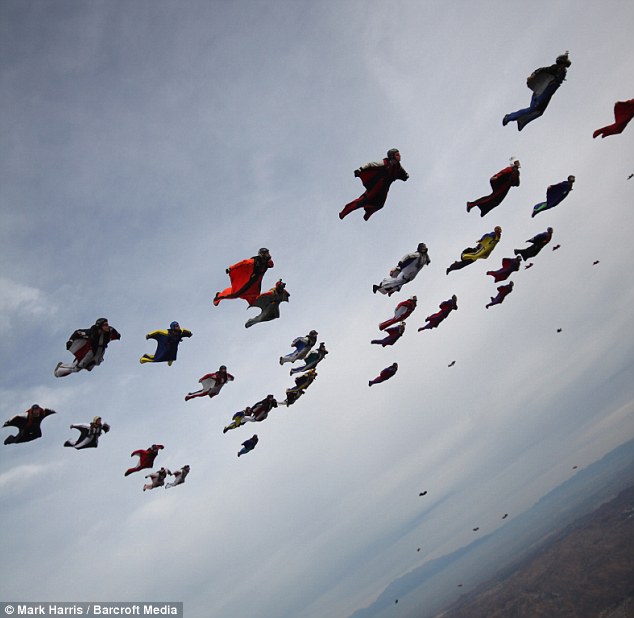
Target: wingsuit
[(501, 184), (503, 292), (385, 374), (88, 434), (312, 359), (146, 458), (376, 178), (246, 278), (168, 342), (405, 271), (623, 113), (544, 82), (211, 383), (403, 310), (555, 194), (538, 242), (28, 424), (88, 346), (179, 477), (301, 384), (481, 251), (269, 304), (248, 445), (509, 266), (255, 413), (302, 347), (394, 333), (446, 307), (157, 479)]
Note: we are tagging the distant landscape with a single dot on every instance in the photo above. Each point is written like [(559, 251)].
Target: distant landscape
[(570, 555)]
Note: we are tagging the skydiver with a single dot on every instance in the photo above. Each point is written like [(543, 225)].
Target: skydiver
[(544, 82), (529, 265), (394, 334), (385, 374), (211, 383), (146, 458), (446, 307), (301, 384), (238, 419), (157, 479), (555, 194), (179, 477), (313, 358), (376, 178), (302, 347), (538, 242), (403, 310), (246, 278), (89, 434), (168, 342), (501, 184), (595, 262), (28, 424), (405, 271), (269, 303), (509, 266), (503, 292), (248, 445), (481, 251), (88, 346), (556, 247), (452, 363), (623, 113)]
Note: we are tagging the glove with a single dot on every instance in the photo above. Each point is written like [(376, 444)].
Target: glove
[(357, 173)]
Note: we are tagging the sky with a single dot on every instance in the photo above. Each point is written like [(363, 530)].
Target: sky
[(147, 146)]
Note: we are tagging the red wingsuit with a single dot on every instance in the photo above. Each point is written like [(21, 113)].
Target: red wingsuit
[(403, 310), (509, 266), (501, 184), (385, 374), (446, 307), (246, 278), (146, 458), (623, 113), (376, 179)]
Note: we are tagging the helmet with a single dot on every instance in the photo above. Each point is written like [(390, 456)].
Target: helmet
[(391, 152), (101, 321), (174, 326), (563, 59), (422, 247), (222, 368)]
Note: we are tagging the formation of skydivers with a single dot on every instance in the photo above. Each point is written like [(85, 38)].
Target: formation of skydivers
[(88, 346)]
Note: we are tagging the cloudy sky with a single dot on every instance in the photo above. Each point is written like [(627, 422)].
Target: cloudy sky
[(149, 145)]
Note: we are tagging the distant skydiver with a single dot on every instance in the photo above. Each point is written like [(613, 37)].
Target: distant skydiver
[(88, 346), (302, 347), (555, 194), (503, 292), (394, 333), (385, 374), (501, 184), (446, 307), (481, 251), (405, 271), (538, 242), (509, 266), (248, 445), (313, 358), (168, 342), (146, 458), (301, 384), (211, 383), (179, 477), (28, 424), (556, 247), (246, 278), (376, 178), (88, 434), (157, 479), (269, 304), (544, 82), (403, 310), (623, 113)]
